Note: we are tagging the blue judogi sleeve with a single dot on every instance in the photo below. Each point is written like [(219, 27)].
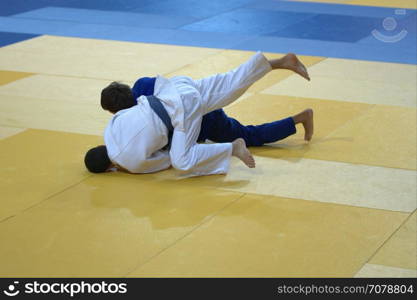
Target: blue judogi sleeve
[(143, 87)]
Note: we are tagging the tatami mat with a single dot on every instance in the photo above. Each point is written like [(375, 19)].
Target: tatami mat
[(387, 3), (9, 131), (378, 3), (230, 59), (400, 250), (87, 118), (98, 59), (378, 271), (354, 81), (342, 205), (38, 164), (271, 236), (61, 89), (324, 181), (10, 76), (384, 136), (103, 227), (346, 132)]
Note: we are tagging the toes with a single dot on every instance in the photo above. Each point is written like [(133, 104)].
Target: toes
[(304, 72), (301, 69), (307, 76), (250, 161)]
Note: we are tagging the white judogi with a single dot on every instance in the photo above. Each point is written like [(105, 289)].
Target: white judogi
[(135, 136)]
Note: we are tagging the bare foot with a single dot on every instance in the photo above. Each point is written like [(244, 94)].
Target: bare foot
[(291, 62), (306, 118), (308, 124), (241, 152)]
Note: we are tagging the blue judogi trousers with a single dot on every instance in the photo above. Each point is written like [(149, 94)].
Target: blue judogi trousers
[(216, 126)]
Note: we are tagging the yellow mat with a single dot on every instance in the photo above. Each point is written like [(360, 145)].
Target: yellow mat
[(346, 132), (378, 3), (270, 236), (9, 131), (338, 206), (354, 81), (38, 164), (103, 227), (400, 250), (100, 59), (10, 76), (388, 3), (230, 59), (379, 271)]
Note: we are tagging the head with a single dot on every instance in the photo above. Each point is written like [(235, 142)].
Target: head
[(117, 96), (97, 160)]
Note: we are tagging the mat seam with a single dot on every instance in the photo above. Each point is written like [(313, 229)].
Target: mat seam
[(385, 242), (183, 237), (45, 199)]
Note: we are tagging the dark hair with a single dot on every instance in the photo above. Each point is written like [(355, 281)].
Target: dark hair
[(117, 96), (97, 160)]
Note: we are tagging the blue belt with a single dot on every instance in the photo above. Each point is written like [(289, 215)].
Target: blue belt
[(162, 113)]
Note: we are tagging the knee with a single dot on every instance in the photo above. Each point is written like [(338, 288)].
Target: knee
[(253, 136), (181, 163)]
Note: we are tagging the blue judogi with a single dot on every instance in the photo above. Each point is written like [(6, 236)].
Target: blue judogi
[(218, 127)]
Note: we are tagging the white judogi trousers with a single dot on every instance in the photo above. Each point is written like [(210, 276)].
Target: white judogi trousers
[(200, 97)]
